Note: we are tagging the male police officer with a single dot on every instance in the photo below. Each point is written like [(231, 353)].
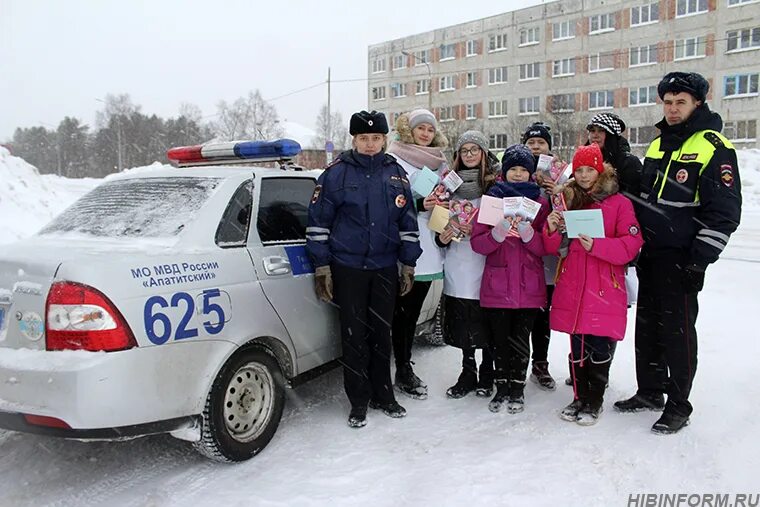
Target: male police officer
[(361, 224), (690, 204)]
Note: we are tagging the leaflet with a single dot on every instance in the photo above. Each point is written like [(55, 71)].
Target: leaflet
[(424, 182), (584, 221), (439, 219), (491, 210)]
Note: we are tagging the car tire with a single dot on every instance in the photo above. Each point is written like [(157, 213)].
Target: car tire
[(243, 407)]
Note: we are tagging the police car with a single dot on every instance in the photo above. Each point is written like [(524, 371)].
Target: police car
[(170, 300)]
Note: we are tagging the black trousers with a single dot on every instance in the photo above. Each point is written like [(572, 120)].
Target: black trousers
[(599, 348), (405, 316), (666, 334), (509, 331), (539, 336), (365, 300)]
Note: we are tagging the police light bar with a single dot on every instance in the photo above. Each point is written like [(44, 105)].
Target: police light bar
[(234, 152)]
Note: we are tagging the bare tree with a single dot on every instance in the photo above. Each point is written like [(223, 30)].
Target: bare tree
[(115, 105), (191, 111), (333, 130), (249, 117)]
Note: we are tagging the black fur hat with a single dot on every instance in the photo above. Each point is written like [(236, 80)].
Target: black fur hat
[(689, 82), (365, 122)]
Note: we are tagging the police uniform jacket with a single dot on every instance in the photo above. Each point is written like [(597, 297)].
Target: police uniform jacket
[(361, 214), (690, 190)]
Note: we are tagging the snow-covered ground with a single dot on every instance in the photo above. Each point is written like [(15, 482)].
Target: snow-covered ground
[(445, 452)]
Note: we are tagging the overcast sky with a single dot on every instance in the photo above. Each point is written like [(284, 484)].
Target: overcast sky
[(58, 57)]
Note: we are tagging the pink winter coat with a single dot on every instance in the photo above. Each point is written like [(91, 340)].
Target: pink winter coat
[(589, 296), (513, 276)]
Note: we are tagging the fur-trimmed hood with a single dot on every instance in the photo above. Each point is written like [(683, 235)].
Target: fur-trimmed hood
[(404, 132), (605, 186)]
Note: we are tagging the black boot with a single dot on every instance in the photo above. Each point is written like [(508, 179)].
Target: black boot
[(410, 384), (669, 423), (539, 374), (485, 377), (501, 396), (391, 409), (358, 417), (579, 377), (467, 382), (598, 376), (641, 402), (516, 398)]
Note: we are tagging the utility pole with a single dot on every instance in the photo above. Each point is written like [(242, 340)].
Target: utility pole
[(328, 133)]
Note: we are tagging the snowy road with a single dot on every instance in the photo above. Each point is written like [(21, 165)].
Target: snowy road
[(449, 452)]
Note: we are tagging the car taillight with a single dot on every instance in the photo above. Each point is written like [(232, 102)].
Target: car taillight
[(80, 317)]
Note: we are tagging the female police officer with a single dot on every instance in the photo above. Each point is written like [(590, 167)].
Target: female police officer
[(361, 225)]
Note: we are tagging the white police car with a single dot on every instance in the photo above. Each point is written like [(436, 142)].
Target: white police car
[(173, 300)]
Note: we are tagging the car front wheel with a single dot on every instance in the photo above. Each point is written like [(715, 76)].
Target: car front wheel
[(243, 408)]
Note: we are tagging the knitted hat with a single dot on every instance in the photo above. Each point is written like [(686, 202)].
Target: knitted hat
[(474, 137), (365, 122), (421, 116), (517, 154), (689, 82), (589, 156), (538, 129), (609, 122)]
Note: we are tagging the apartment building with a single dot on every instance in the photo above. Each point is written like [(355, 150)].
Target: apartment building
[(563, 61)]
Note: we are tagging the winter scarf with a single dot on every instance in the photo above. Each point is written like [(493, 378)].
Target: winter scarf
[(418, 156), (505, 189), (470, 187)]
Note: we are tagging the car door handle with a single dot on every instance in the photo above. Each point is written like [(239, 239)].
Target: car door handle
[(276, 265)]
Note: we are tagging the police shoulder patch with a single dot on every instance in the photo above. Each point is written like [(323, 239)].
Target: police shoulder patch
[(727, 175), (714, 139), (315, 195)]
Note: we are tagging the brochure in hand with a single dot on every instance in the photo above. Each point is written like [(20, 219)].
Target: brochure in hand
[(550, 167), (584, 221)]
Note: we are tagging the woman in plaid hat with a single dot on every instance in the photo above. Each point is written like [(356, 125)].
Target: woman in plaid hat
[(606, 131)]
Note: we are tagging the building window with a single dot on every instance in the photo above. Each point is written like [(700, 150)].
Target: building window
[(471, 112), (421, 57), (472, 79), (741, 131), (732, 3), (740, 40), (601, 62), (601, 23), (472, 47), (645, 14), (398, 90), (642, 136), (497, 108), (642, 96), (529, 36), (563, 30), (564, 67), (690, 7), (530, 105), (643, 55), (497, 141), (693, 47), (448, 52), (740, 85), (497, 42), (378, 93), (497, 75), (399, 62), (530, 71), (447, 83), (378, 65), (446, 114), (563, 103), (604, 99), (422, 87)]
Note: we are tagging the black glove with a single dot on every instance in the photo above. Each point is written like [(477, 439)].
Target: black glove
[(693, 278), (323, 283)]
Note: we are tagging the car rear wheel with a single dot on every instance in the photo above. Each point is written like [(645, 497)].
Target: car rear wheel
[(243, 408)]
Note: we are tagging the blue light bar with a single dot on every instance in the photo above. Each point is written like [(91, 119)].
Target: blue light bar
[(283, 148)]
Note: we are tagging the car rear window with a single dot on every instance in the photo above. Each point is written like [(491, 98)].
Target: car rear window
[(139, 208)]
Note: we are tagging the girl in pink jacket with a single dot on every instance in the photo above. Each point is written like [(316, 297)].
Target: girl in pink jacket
[(590, 301), (512, 288)]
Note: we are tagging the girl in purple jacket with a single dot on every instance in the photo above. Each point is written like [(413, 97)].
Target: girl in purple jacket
[(512, 288), (590, 301)]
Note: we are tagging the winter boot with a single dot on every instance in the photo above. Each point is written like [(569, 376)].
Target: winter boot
[(580, 369), (484, 388), (466, 383), (540, 375), (391, 409), (598, 375), (410, 384), (501, 396), (516, 399), (669, 423), (358, 417), (641, 402)]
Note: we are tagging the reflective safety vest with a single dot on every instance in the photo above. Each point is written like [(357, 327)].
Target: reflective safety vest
[(676, 182)]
